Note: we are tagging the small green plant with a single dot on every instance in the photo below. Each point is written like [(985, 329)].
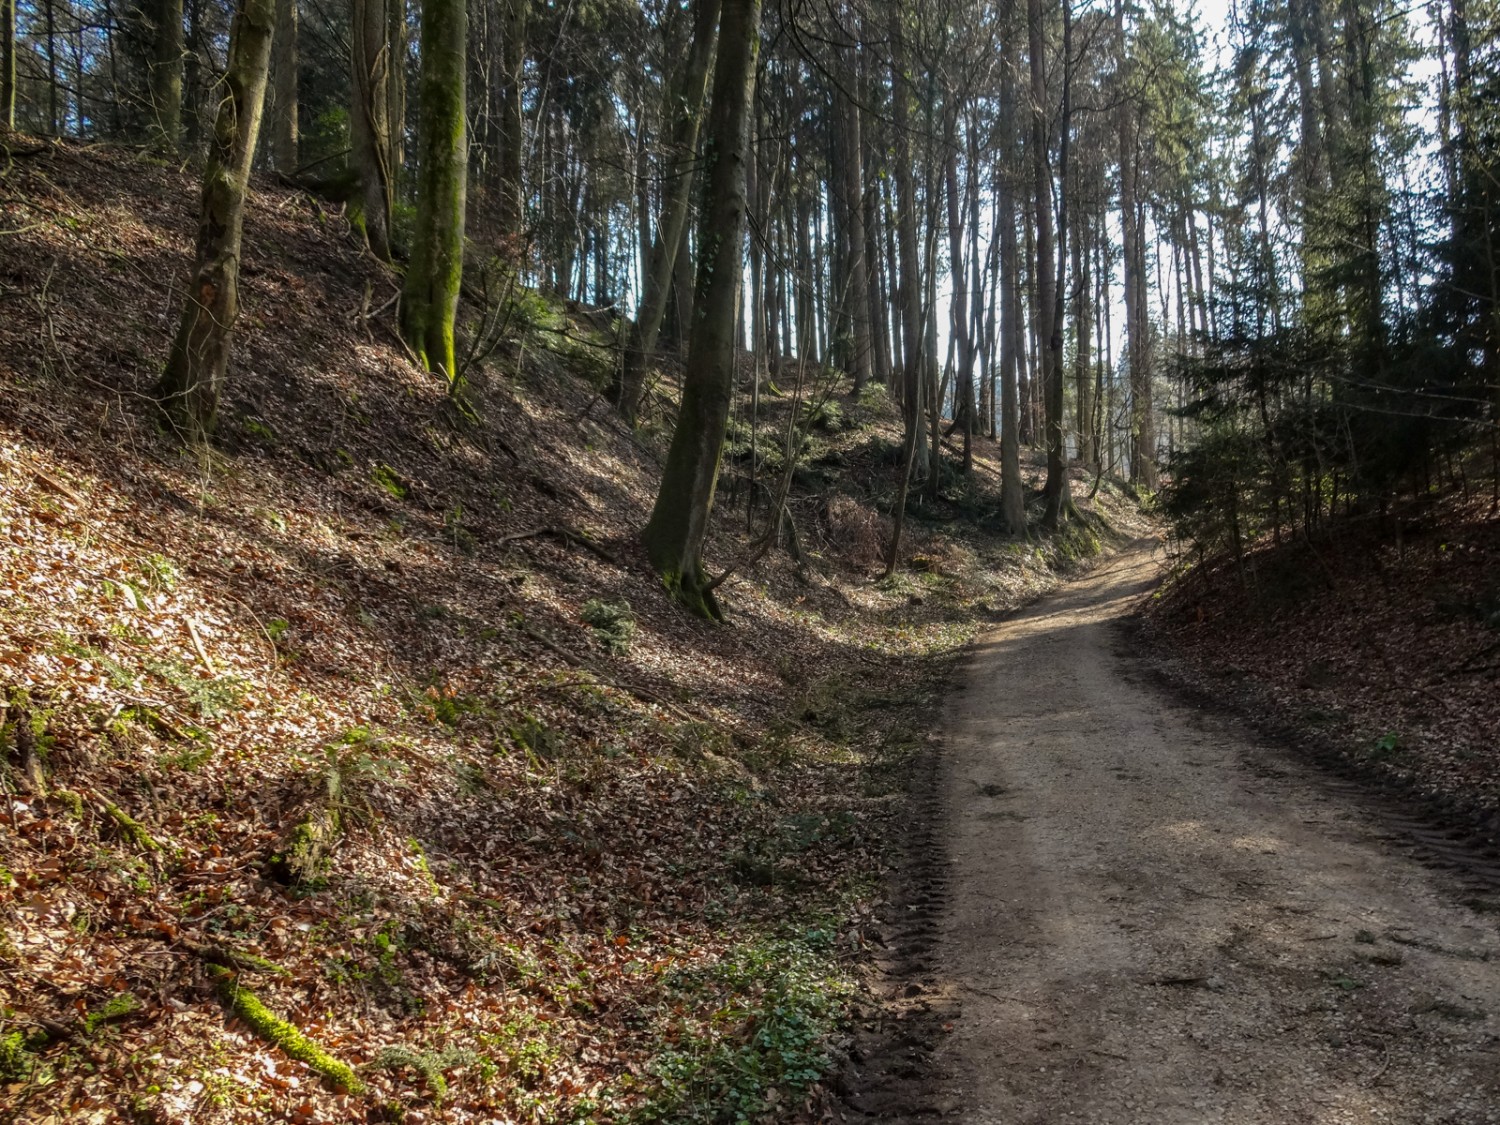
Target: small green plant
[(613, 623), (160, 572), (453, 527), (826, 416), (1389, 745), (780, 1000), (430, 1065), (259, 428)]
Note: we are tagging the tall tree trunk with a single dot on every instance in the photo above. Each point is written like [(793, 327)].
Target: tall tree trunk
[(370, 118), (909, 291), (1083, 373), (1050, 325), (190, 386), (1012, 493), (855, 284), (686, 106), (679, 521), (429, 298), (1142, 425), (958, 271), (166, 74), (192, 76), (8, 64), (512, 122), (284, 88)]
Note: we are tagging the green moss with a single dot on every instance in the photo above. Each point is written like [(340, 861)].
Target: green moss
[(116, 1006), (72, 800), (132, 829), (281, 1034), (613, 622), (385, 476)]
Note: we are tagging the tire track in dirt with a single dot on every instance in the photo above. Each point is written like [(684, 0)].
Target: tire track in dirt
[(1116, 909)]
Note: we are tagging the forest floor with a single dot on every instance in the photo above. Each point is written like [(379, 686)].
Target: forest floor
[(584, 858), (1128, 909)]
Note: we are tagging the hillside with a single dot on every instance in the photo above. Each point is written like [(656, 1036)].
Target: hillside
[(371, 733), (1374, 648)]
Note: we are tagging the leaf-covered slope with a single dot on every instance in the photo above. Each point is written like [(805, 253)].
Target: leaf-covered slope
[(314, 760)]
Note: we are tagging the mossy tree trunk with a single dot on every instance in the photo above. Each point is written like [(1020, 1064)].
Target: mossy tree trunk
[(429, 299), (370, 60), (190, 387), (166, 74), (686, 110), (679, 522), (284, 131)]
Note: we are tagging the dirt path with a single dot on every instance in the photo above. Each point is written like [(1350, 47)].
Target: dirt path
[(1149, 917)]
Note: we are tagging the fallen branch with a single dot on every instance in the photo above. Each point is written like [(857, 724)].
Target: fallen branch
[(130, 828), (276, 1031), (568, 535), (198, 647), (642, 693)]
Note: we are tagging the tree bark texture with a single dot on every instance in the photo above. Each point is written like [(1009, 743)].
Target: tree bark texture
[(512, 121), (679, 521), (370, 124), (165, 75), (8, 64), (191, 385), (429, 298), (1012, 495), (284, 130), (687, 115)]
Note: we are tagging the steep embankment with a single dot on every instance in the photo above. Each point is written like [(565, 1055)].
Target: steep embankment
[(1377, 649), (344, 736)]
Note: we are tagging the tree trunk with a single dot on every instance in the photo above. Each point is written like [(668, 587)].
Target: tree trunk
[(190, 387), (1083, 331), (855, 284), (512, 123), (166, 76), (1049, 330), (958, 326), (908, 292), (679, 521), (429, 298), (284, 88), (370, 123), (7, 64), (1012, 495), (1142, 436), (686, 107)]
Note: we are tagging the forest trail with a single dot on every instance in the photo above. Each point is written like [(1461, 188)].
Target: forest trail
[(1151, 916)]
